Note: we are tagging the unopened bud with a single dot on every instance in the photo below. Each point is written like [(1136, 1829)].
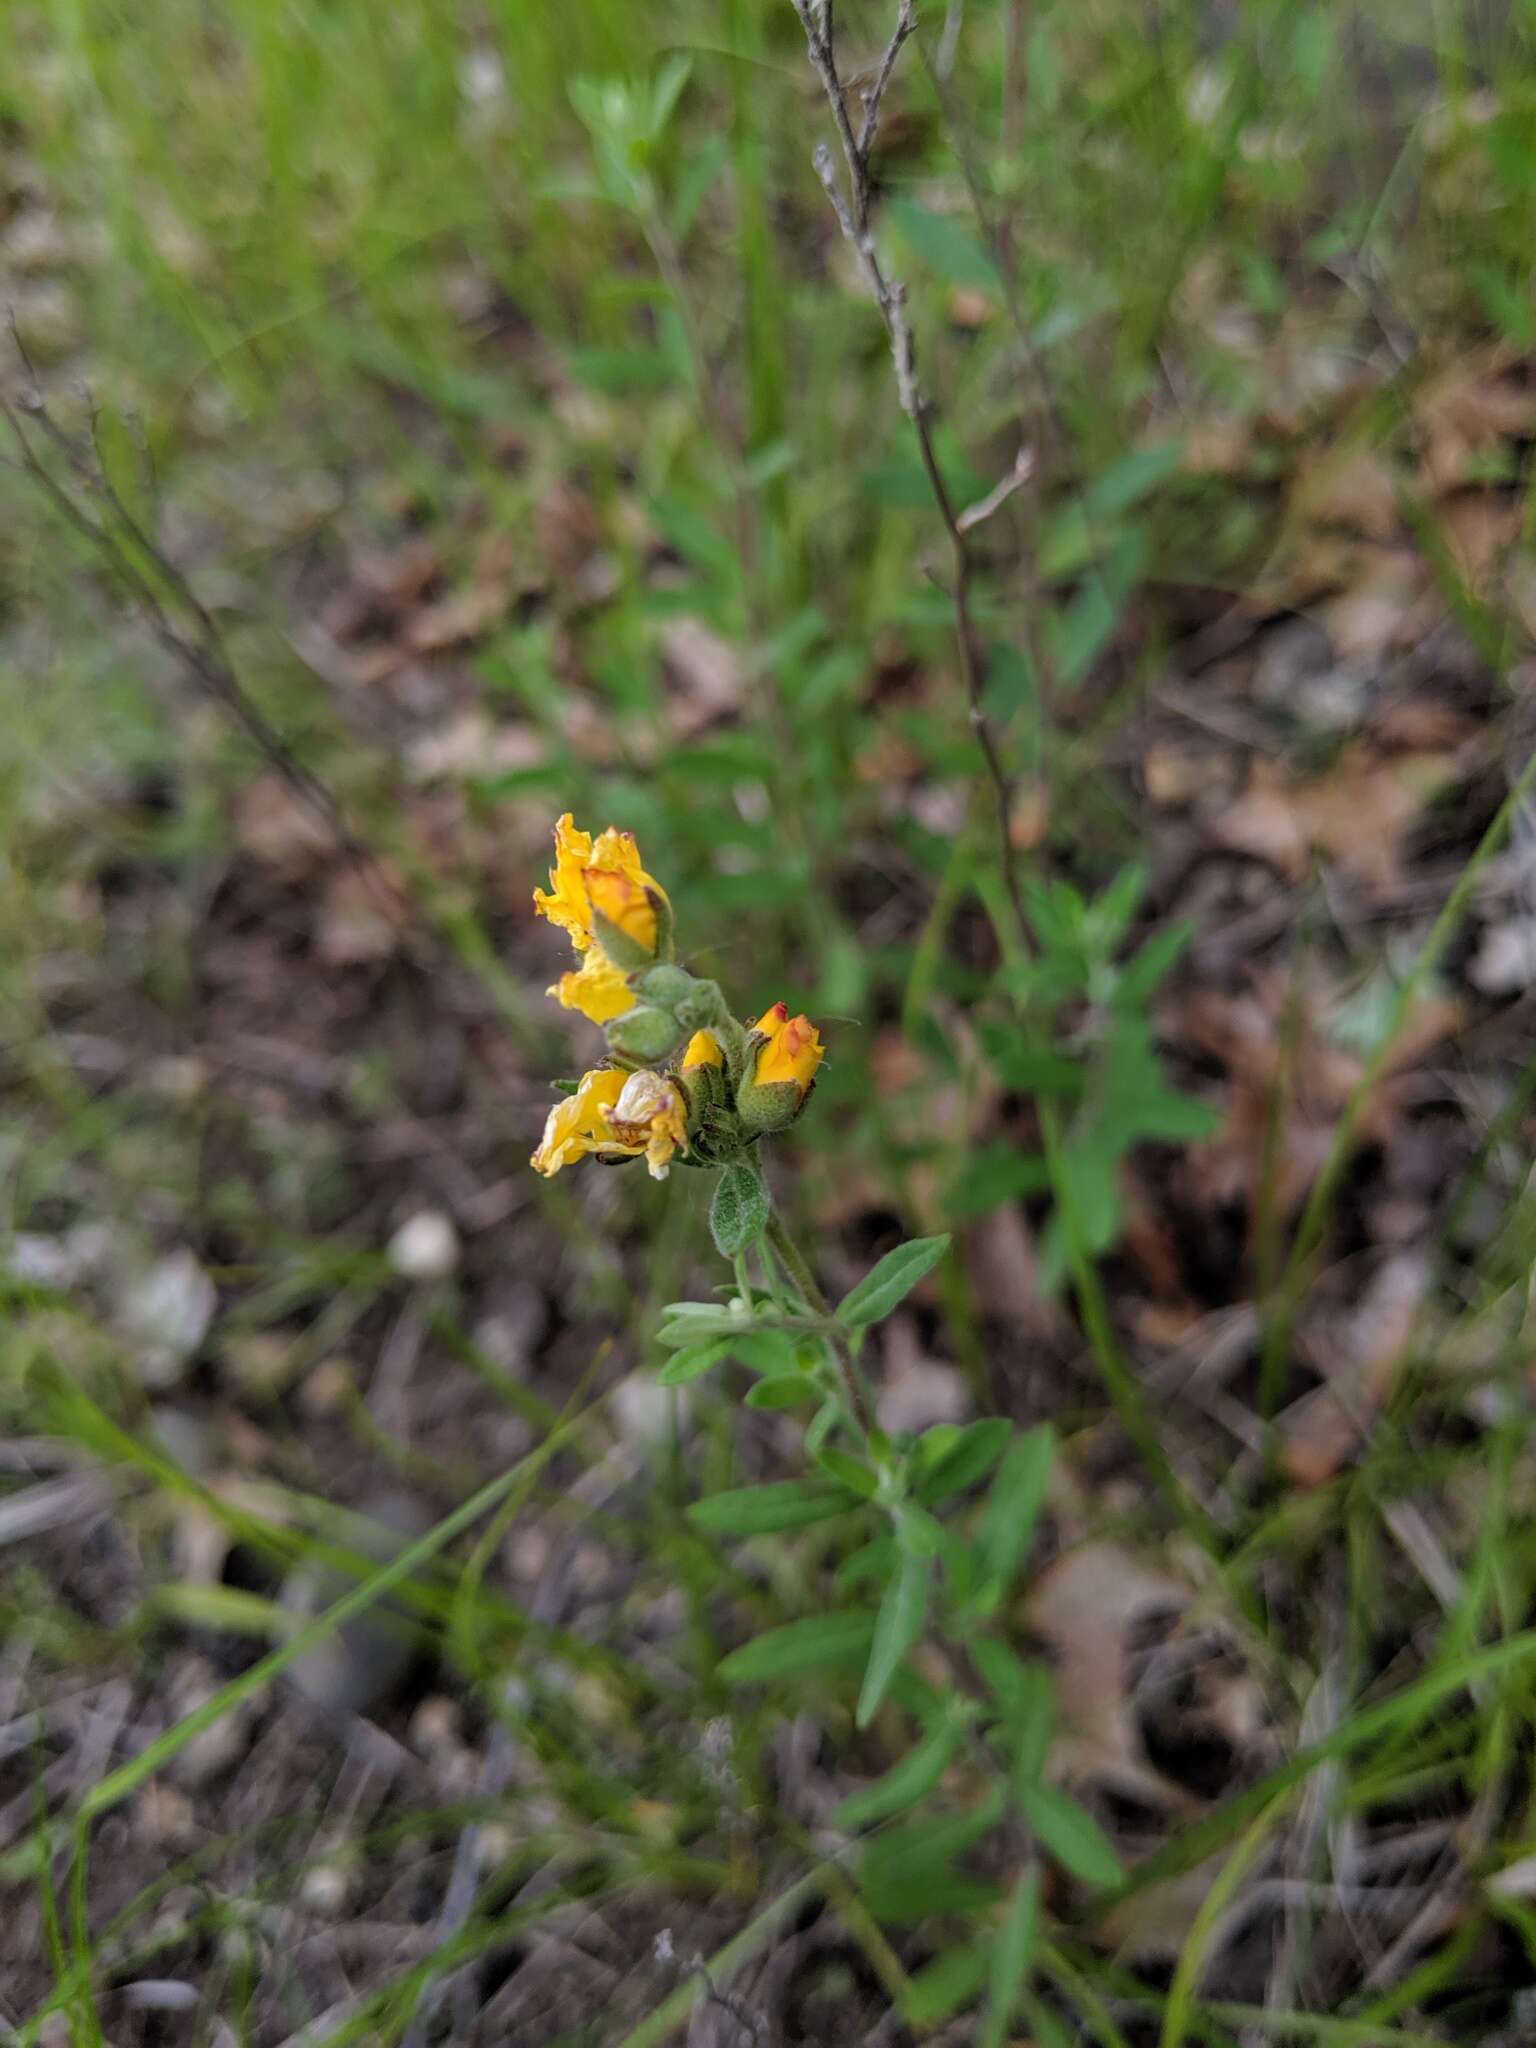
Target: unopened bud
[(645, 1033)]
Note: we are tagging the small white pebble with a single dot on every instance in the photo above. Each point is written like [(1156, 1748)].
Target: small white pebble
[(495, 1845), (326, 1888), (425, 1247)]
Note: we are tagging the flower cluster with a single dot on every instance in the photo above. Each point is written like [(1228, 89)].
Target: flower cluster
[(684, 1079)]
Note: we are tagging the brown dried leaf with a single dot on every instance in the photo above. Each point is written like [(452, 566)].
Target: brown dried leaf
[(276, 827), (1480, 527), (705, 672), (1360, 813), (1083, 1608), (1465, 414), (1361, 1362), (453, 621), (355, 927), (1377, 610), (1355, 489)]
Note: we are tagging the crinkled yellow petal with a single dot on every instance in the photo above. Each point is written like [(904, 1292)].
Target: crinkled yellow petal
[(612, 863), (578, 1124), (650, 1114), (565, 901), (623, 901), (703, 1050), (597, 988), (793, 1050)]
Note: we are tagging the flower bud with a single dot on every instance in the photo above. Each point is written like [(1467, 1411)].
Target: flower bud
[(645, 1033), (703, 1073), (784, 1053), (666, 986)]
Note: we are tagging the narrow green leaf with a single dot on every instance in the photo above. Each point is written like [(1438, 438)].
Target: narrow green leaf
[(996, 1173), (690, 1322), (814, 1644), (971, 1457), (917, 1532), (1013, 1949), (1026, 1699), (738, 1212), (889, 1282), (764, 1351), (903, 1611), (908, 1871), (693, 1362), (782, 1504), (783, 1390), (1072, 1836), (849, 1471), (904, 1783), (941, 1987), (1014, 1501)]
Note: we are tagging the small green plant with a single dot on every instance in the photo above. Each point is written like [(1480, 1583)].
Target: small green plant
[(940, 1523), (1080, 1040)]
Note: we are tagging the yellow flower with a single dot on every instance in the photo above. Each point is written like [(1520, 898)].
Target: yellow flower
[(602, 876), (597, 988), (578, 1123), (703, 1050), (650, 1116), (618, 1116), (792, 1052)]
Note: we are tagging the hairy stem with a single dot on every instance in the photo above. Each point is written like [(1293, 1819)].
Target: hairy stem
[(796, 1266)]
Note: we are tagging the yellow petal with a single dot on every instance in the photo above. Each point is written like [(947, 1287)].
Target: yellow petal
[(622, 899), (703, 1050), (565, 901), (578, 1123), (579, 859), (793, 1050), (597, 988)]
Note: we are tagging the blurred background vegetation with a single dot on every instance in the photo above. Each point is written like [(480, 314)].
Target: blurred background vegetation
[(488, 384)]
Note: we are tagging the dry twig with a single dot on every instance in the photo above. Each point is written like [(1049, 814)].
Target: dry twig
[(851, 202)]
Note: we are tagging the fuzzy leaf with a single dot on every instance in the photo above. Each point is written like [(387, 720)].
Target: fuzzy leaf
[(904, 1784), (972, 1455), (1072, 1836), (692, 1362), (1012, 1949), (893, 1279), (1013, 1504), (783, 1390), (739, 1210), (814, 1644), (782, 1504), (903, 1610)]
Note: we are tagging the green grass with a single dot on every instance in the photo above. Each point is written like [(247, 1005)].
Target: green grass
[(340, 274)]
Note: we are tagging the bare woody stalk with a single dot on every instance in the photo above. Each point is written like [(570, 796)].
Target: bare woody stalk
[(852, 209), (175, 615), (71, 473)]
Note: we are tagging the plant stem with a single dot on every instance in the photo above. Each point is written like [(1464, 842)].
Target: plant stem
[(795, 1265)]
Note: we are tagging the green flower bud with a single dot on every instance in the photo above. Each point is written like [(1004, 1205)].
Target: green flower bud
[(666, 986), (645, 1033), (768, 1106)]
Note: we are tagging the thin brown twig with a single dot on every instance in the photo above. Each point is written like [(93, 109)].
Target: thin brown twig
[(851, 206), (121, 539)]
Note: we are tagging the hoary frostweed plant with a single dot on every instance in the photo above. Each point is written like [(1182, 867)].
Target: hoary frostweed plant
[(934, 1528)]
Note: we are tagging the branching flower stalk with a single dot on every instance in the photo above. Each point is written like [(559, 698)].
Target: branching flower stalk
[(686, 1082)]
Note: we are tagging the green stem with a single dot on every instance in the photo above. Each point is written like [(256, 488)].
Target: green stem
[(795, 1265), (1124, 1391)]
